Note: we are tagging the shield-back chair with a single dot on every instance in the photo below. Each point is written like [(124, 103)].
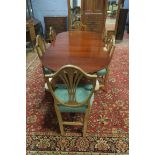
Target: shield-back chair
[(70, 94)]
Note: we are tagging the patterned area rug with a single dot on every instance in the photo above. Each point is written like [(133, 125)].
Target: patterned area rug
[(107, 131)]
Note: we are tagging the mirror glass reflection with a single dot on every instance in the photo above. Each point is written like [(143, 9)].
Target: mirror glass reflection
[(75, 16), (112, 10)]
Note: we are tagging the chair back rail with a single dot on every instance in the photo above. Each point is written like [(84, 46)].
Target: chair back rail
[(110, 48), (78, 25), (40, 46), (52, 34)]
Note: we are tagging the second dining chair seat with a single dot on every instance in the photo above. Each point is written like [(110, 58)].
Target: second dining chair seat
[(102, 72), (47, 71), (90, 87)]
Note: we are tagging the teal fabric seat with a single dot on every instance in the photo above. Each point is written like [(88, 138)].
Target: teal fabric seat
[(47, 71), (81, 94), (88, 86), (102, 72), (85, 86)]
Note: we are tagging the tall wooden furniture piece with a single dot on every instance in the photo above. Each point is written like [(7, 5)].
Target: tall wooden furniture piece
[(93, 14), (121, 23), (59, 24), (32, 33), (37, 27), (70, 96)]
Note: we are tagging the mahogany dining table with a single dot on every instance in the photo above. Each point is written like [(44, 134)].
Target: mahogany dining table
[(81, 48)]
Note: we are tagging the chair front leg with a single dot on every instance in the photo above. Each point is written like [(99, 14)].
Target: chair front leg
[(105, 81), (85, 122), (59, 120)]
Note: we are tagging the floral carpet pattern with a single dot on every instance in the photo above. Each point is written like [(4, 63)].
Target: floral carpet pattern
[(107, 131)]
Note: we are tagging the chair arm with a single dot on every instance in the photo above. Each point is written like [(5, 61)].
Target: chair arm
[(49, 75)]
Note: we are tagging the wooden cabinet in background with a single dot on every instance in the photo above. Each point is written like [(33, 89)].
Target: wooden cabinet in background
[(93, 14), (121, 23), (59, 24), (37, 26)]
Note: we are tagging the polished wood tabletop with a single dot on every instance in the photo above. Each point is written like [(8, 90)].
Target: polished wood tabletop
[(81, 48)]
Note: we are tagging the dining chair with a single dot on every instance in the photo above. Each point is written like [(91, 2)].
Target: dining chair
[(40, 46), (52, 34), (109, 38), (31, 29), (78, 25), (104, 73), (41, 49), (70, 94)]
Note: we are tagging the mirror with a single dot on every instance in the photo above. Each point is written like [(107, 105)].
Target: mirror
[(113, 8), (74, 9)]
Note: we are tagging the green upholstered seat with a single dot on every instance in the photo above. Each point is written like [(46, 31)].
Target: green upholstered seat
[(88, 86), (47, 71), (81, 94), (102, 72)]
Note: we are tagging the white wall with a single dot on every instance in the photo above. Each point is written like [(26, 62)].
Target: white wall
[(43, 8)]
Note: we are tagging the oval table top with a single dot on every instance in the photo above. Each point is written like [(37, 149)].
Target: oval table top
[(81, 48)]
